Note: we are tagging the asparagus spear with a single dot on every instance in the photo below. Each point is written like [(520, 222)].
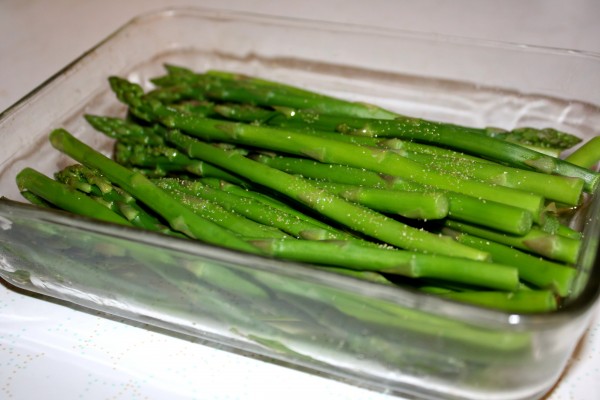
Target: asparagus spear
[(65, 197), (245, 89), (315, 147), (265, 199), (460, 207), (536, 241), (178, 216), (353, 216), (409, 204), (256, 90), (541, 138), (253, 209), (468, 140), (587, 155), (532, 301), (535, 270), (143, 147), (95, 185), (351, 255), (331, 151), (471, 140), (554, 187), (244, 227), (558, 188)]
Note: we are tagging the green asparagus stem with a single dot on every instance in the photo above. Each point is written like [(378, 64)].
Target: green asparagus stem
[(283, 118), (409, 204), (415, 265), (65, 197), (253, 209), (536, 241), (95, 185), (542, 273), (587, 155), (125, 131), (331, 151), (469, 141), (370, 276), (551, 224), (255, 89), (265, 199), (245, 89), (558, 188), (178, 216), (541, 138), (35, 199), (355, 217), (461, 207), (143, 147), (315, 147), (554, 187), (232, 221), (533, 301)]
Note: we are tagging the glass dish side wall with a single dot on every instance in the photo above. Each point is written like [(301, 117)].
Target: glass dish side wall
[(368, 334), (359, 63)]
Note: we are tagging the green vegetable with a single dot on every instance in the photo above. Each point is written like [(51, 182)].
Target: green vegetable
[(415, 265), (536, 241), (532, 269), (65, 197), (587, 155), (99, 188), (353, 189), (178, 216), (253, 209), (460, 207), (355, 217)]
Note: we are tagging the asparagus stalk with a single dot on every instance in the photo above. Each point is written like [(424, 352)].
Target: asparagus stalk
[(460, 207), (227, 219), (558, 188), (554, 187), (253, 209), (65, 197), (355, 217), (545, 138), (283, 118), (265, 199), (178, 216), (245, 89), (350, 255), (409, 204), (95, 185), (143, 147), (540, 138), (125, 131), (332, 151), (532, 301), (468, 140), (587, 155), (536, 241), (535, 270), (315, 147)]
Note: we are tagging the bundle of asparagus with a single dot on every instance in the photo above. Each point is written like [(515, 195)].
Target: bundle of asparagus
[(475, 215)]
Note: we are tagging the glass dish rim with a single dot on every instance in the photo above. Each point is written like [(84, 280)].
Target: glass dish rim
[(586, 300)]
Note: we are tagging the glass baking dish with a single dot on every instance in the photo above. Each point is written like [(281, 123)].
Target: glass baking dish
[(388, 339)]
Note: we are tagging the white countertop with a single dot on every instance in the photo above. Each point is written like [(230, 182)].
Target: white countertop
[(37, 38)]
